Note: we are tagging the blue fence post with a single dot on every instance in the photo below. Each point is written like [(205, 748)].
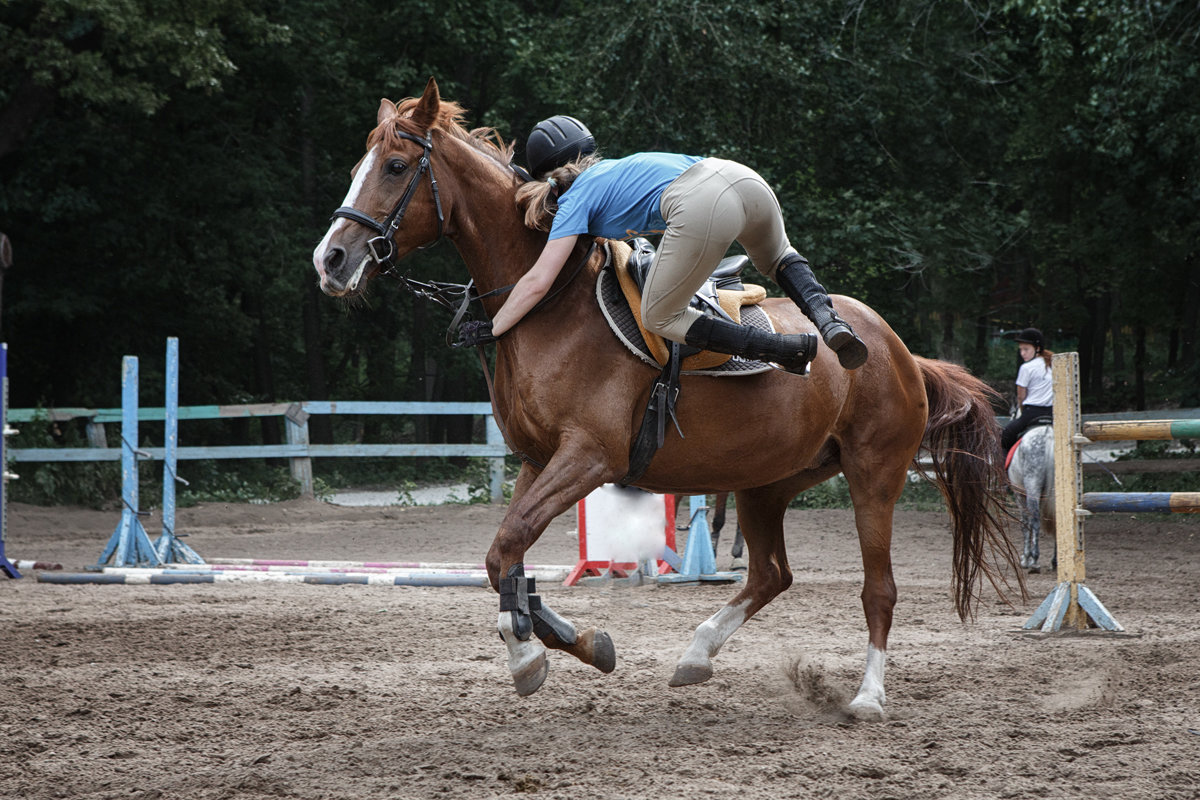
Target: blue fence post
[(5, 565), (129, 543), (168, 546)]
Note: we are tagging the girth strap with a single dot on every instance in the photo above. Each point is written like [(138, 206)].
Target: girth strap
[(653, 432)]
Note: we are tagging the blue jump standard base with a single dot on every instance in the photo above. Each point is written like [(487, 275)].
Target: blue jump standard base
[(699, 563), (1049, 615)]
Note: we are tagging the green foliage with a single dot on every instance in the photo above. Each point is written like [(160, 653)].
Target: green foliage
[(967, 169), (95, 484), (115, 53), (833, 493), (918, 495), (215, 482), (1182, 481)]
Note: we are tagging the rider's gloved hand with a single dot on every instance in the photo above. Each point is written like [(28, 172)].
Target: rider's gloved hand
[(473, 333)]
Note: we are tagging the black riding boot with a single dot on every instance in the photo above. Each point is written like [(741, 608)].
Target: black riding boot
[(791, 351), (798, 282)]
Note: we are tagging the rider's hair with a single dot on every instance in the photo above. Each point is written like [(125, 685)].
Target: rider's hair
[(1046, 355), (538, 200)]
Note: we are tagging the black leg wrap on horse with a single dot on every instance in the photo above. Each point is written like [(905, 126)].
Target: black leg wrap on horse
[(516, 597), (548, 623), (798, 282), (792, 351)]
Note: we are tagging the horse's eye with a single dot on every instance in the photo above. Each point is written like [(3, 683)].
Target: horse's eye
[(396, 166)]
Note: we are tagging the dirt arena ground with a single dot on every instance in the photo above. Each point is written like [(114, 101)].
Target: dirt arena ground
[(301, 691)]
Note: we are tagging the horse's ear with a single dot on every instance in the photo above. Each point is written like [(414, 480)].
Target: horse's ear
[(426, 112), (387, 110)]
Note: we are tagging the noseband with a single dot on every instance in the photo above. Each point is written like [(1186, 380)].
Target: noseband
[(382, 248)]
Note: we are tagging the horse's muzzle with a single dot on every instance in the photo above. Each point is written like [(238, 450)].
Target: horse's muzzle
[(333, 268)]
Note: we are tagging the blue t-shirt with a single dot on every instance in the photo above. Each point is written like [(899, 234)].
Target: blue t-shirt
[(618, 198)]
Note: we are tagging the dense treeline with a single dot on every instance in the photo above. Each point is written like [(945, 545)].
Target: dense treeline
[(968, 169)]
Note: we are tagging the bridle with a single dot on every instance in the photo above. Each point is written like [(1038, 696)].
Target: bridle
[(382, 249), (456, 297)]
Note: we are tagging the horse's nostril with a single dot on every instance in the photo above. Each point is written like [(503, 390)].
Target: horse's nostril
[(335, 258)]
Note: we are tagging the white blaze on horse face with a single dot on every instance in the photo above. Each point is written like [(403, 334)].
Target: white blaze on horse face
[(360, 177)]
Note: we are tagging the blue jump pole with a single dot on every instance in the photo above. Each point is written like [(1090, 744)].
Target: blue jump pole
[(169, 548), (1146, 502), (129, 544), (5, 565)]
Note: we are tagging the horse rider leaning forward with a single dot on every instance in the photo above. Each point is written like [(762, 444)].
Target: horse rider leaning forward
[(701, 206), (1035, 386)]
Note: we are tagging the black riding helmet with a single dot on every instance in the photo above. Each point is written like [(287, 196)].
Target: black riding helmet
[(1031, 336), (557, 141)]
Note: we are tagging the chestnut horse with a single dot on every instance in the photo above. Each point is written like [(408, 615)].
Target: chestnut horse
[(569, 398)]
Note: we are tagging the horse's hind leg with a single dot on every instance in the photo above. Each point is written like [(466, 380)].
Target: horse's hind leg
[(760, 511), (1032, 526), (874, 497)]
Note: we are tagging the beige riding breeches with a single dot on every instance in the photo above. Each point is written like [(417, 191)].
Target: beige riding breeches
[(707, 208)]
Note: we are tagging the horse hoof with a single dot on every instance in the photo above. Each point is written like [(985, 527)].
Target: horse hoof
[(738, 563), (1034, 569), (688, 674), (604, 655), (866, 710), (529, 677)]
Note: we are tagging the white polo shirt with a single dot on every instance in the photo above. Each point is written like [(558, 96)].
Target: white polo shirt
[(1034, 377)]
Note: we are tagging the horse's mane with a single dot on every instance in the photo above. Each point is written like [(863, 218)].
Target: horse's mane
[(449, 119)]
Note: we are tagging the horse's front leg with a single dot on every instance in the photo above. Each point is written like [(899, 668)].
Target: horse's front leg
[(538, 498)]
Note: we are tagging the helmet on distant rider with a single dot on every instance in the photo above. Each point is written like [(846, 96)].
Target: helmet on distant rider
[(1032, 336), (557, 141)]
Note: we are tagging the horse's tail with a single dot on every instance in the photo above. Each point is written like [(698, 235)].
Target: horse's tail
[(963, 439)]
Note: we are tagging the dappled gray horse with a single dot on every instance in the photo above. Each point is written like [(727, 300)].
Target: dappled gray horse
[(1031, 473)]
